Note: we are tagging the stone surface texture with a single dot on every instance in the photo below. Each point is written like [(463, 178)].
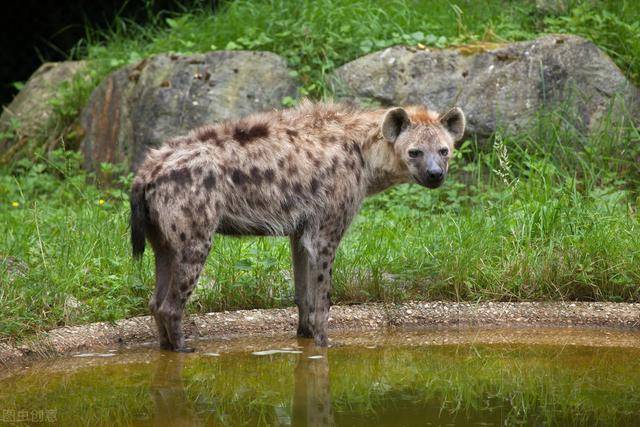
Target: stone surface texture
[(167, 95), (31, 107), (498, 86)]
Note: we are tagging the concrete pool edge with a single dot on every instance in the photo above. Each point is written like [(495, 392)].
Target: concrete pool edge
[(370, 316)]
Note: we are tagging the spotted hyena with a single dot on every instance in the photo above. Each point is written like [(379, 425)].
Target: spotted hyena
[(302, 173)]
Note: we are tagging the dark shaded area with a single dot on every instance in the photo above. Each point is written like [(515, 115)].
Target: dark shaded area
[(34, 31)]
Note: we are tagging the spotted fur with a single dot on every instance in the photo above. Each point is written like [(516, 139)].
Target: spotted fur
[(302, 173)]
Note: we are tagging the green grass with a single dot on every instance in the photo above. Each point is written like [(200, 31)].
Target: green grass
[(547, 215), (534, 222)]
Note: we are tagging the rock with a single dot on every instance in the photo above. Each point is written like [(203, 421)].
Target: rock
[(498, 86), (32, 108), (141, 106)]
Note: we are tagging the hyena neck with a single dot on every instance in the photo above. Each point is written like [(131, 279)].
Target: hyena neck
[(383, 169)]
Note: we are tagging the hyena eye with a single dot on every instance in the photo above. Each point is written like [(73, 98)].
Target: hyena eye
[(415, 153), (443, 151)]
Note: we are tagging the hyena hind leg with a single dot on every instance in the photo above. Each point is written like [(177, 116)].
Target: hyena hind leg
[(300, 261), (187, 262), (163, 283), (163, 260)]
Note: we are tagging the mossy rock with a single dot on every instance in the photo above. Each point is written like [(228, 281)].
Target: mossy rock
[(29, 115)]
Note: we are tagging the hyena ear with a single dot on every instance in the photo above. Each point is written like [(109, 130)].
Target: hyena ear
[(394, 123), (454, 121)]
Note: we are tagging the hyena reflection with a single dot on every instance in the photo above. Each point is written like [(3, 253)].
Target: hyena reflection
[(301, 173)]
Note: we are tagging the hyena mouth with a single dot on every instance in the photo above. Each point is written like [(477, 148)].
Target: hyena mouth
[(429, 183)]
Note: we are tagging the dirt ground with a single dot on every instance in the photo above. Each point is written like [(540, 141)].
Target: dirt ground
[(365, 317)]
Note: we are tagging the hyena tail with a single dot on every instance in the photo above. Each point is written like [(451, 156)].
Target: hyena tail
[(138, 219)]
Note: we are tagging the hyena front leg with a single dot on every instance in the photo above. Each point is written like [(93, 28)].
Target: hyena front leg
[(187, 263), (318, 293), (300, 261)]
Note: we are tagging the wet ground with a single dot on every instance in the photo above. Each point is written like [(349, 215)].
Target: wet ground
[(370, 316), (530, 376)]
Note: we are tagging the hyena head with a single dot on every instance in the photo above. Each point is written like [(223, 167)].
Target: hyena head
[(423, 141)]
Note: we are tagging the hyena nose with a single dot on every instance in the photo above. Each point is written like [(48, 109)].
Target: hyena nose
[(435, 174)]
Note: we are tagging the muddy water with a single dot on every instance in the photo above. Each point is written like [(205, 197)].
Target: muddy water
[(420, 377)]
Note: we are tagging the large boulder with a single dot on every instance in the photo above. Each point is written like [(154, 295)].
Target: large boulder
[(28, 116), (498, 86), (167, 95)]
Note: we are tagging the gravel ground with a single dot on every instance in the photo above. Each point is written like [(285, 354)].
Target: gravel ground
[(365, 317)]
